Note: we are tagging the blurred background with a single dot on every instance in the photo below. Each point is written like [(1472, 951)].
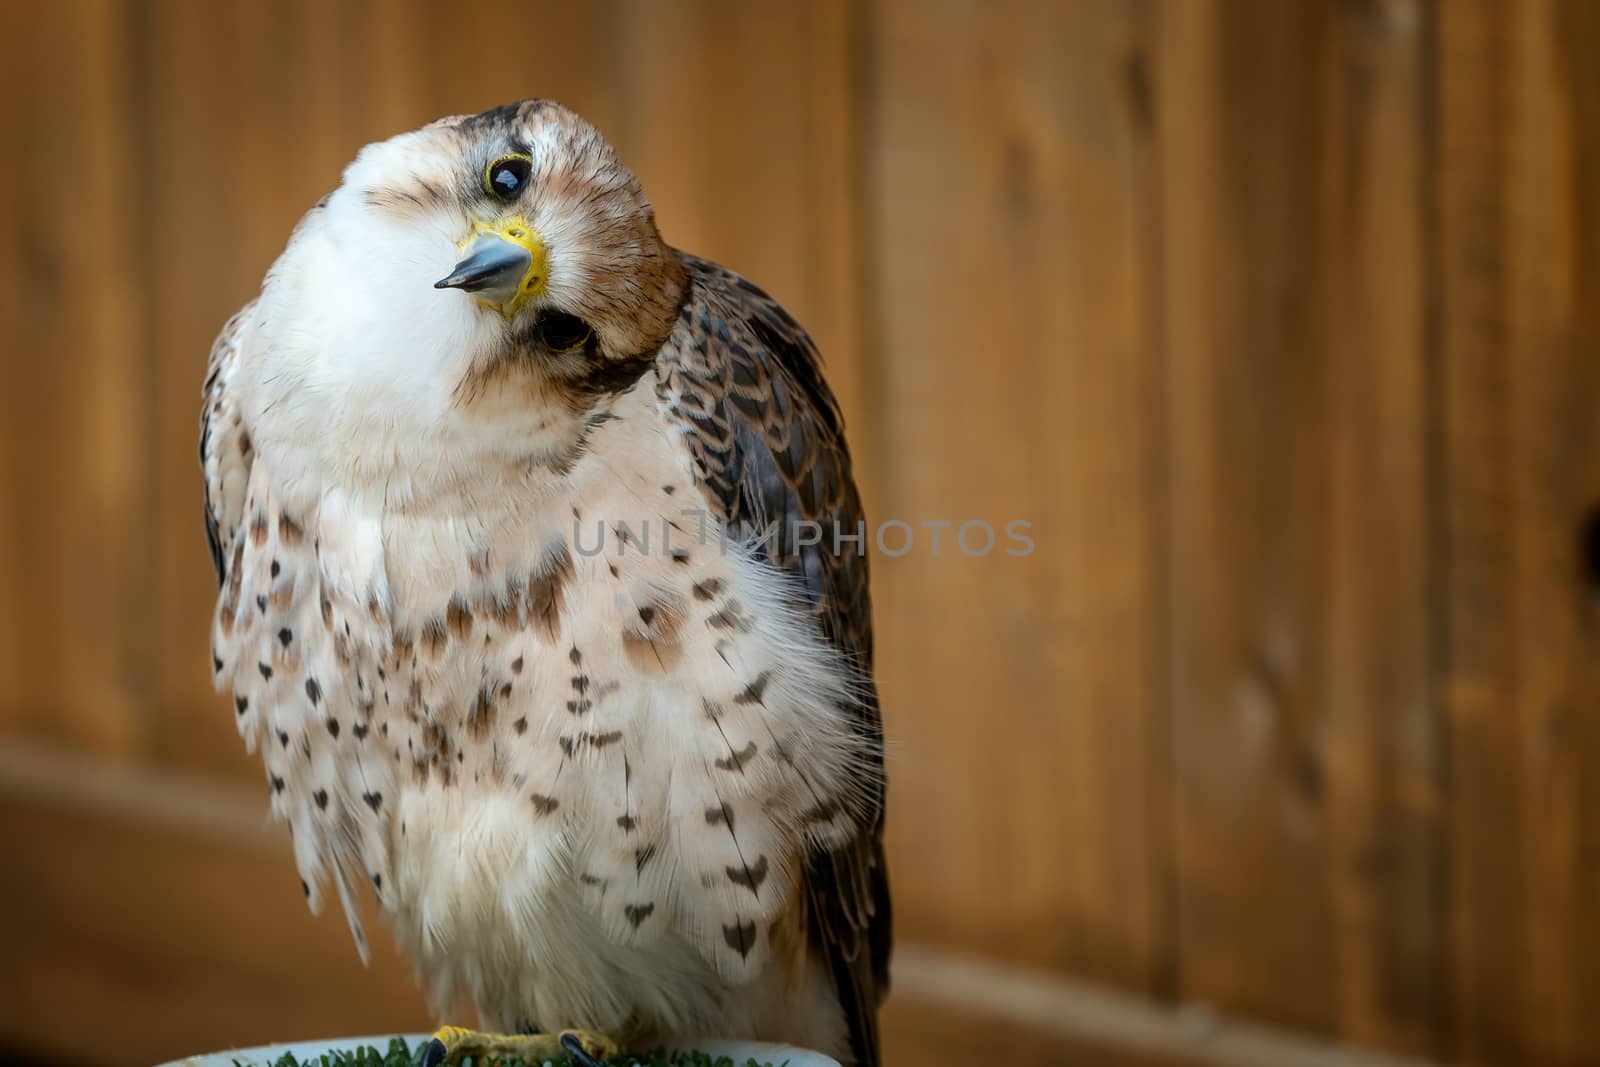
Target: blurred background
[(1279, 320)]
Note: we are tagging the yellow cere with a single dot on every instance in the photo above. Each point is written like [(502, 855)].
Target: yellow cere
[(518, 232)]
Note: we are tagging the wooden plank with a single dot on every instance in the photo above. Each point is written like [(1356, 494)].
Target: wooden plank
[(16, 34), (1519, 252), (563, 51), (75, 399), (227, 173), (1009, 233), (1307, 778), (1384, 754), (762, 178), (152, 916), (950, 1008)]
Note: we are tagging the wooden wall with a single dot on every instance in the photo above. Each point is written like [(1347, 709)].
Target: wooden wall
[(1278, 319)]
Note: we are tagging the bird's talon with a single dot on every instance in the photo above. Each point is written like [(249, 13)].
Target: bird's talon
[(454, 1045), (572, 1042)]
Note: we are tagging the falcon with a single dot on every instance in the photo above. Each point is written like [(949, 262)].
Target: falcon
[(544, 600)]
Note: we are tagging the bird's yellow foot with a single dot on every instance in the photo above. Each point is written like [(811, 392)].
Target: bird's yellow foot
[(455, 1044)]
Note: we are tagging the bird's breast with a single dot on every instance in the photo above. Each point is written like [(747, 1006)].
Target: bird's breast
[(576, 715)]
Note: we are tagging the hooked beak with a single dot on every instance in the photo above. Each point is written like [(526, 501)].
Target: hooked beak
[(504, 267)]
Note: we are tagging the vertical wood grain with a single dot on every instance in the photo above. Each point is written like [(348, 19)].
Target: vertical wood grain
[(1008, 158), (1384, 757), (1307, 779), (1239, 167), (740, 121), (77, 594), (567, 52), (1519, 226), (224, 174)]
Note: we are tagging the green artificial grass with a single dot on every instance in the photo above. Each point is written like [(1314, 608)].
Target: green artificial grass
[(399, 1054)]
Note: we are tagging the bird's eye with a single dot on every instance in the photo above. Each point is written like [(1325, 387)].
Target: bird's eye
[(562, 332), (507, 176)]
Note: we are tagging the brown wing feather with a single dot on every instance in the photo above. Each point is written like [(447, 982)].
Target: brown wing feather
[(225, 449), (768, 442)]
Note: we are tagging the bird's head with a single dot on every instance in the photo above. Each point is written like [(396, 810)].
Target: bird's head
[(502, 264)]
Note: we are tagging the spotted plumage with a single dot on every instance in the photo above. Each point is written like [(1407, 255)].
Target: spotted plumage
[(514, 608)]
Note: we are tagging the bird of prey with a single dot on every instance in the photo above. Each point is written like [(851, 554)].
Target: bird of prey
[(543, 599)]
